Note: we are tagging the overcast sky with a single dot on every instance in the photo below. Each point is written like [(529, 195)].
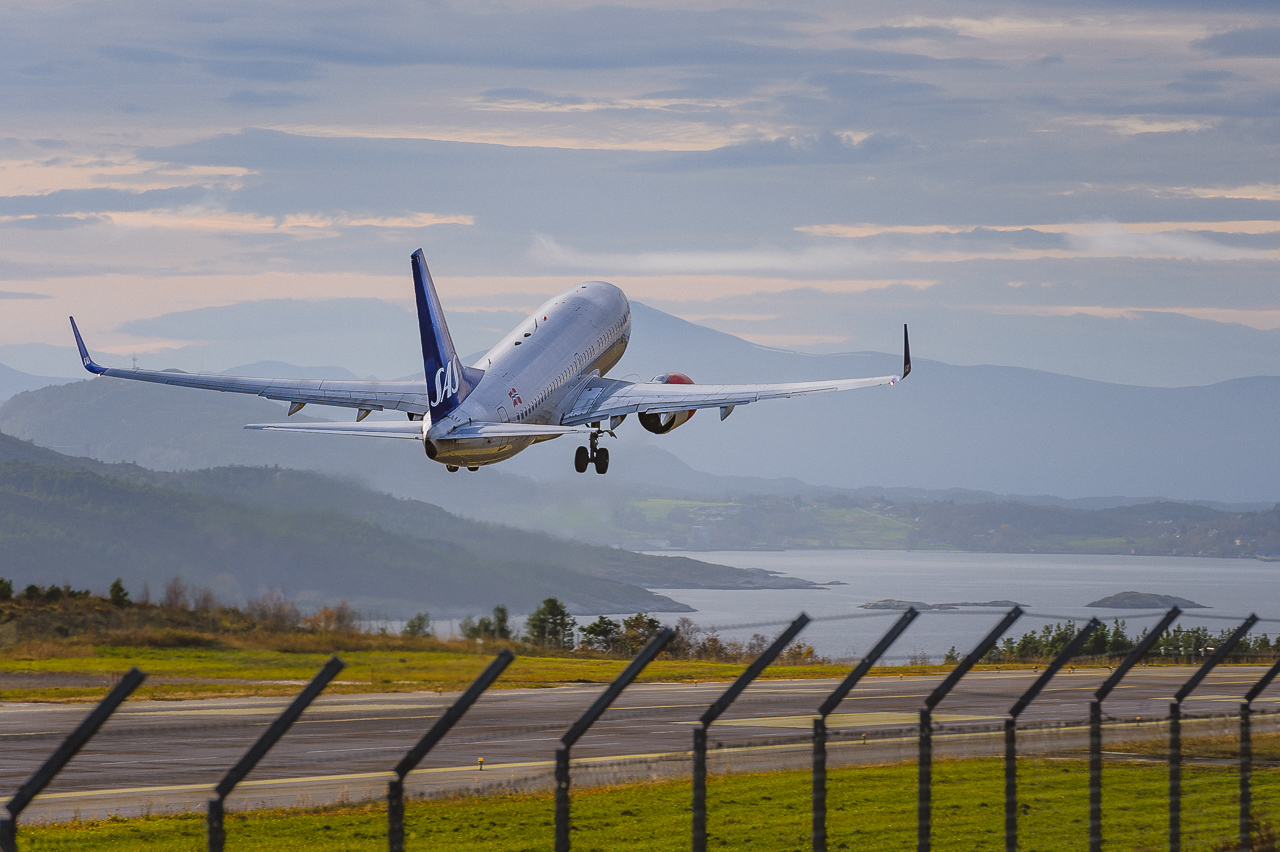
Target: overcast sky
[(802, 175)]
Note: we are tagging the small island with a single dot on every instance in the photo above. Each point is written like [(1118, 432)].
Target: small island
[(890, 603), (1144, 600)]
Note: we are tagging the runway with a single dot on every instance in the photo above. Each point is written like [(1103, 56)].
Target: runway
[(166, 755)]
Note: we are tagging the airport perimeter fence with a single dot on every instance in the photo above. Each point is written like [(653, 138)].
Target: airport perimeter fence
[(929, 743)]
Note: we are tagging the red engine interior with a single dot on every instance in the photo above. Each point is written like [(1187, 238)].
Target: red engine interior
[(660, 424)]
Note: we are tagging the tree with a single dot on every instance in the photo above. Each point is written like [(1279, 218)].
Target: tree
[(638, 629), (551, 625), (602, 634), (175, 594), (419, 625), (119, 597), (501, 622), (6, 589)]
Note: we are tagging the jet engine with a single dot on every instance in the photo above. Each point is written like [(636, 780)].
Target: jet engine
[(661, 424)]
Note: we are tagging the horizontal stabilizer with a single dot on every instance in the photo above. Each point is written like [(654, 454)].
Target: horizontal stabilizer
[(376, 429)]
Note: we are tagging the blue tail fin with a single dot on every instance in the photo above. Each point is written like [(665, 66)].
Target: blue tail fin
[(448, 382)]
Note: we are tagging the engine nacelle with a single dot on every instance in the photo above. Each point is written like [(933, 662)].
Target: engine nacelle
[(661, 424)]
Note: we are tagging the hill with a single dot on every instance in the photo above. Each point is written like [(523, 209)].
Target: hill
[(63, 525), (1003, 430)]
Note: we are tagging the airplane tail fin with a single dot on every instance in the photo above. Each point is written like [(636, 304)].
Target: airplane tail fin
[(448, 382)]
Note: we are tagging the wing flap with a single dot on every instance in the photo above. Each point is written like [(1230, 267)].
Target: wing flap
[(376, 429), (509, 430)]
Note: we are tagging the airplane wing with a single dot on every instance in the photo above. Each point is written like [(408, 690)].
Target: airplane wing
[(385, 429), (604, 398), (409, 397), (376, 429)]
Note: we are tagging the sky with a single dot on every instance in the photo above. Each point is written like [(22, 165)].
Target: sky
[(1086, 187)]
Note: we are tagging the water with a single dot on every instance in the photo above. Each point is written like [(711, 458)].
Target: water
[(1051, 587)]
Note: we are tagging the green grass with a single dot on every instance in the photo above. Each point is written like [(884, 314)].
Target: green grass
[(202, 672), (870, 808)]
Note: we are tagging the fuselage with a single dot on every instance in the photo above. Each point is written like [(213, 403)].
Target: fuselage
[(534, 373)]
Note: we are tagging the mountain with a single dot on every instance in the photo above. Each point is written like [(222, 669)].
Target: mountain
[(15, 382), (62, 525), (1003, 430), (296, 503)]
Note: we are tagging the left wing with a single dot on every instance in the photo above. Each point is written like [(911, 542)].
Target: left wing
[(604, 398), (409, 397)]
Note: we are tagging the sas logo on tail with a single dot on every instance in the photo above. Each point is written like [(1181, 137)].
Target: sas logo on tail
[(446, 384)]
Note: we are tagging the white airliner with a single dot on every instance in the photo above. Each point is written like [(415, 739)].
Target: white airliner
[(543, 380)]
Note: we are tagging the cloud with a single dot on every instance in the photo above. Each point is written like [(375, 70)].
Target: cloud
[(80, 201), (1177, 240), (532, 96), (805, 261), (821, 149), (275, 99), (1114, 240), (10, 294), (1253, 41), (888, 33)]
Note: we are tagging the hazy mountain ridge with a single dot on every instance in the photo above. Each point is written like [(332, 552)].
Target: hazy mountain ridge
[(616, 579)]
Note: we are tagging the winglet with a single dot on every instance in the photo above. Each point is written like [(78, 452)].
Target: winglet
[(906, 352), (89, 365)]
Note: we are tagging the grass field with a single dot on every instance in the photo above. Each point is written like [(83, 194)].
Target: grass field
[(870, 808), (198, 672)]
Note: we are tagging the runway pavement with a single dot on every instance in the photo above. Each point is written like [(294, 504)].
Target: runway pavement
[(167, 755)]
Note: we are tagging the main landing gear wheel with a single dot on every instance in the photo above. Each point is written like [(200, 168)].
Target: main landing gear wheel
[(596, 455), (452, 468), (473, 469)]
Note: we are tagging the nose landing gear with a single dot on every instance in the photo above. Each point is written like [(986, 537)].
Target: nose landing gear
[(597, 455)]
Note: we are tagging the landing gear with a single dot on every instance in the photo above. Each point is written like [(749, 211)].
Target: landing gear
[(452, 468), (473, 469), (597, 455)]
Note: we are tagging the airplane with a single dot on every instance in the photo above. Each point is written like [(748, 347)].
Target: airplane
[(543, 380)]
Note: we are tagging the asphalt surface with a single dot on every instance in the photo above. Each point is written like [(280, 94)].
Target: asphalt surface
[(156, 756)]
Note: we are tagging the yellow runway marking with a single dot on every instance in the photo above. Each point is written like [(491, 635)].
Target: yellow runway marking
[(844, 720)]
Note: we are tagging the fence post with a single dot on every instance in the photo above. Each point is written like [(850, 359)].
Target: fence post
[(820, 784), (1175, 727), (62, 756), (587, 719), (1095, 776), (833, 701), (395, 789), (1011, 730), (1246, 756), (272, 735), (713, 712), (699, 789), (1011, 784), (1246, 781), (924, 803), (1175, 776), (562, 800), (924, 782), (395, 815), (1095, 725)]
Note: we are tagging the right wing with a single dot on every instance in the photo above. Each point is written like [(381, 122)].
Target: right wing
[(601, 398), (409, 397)]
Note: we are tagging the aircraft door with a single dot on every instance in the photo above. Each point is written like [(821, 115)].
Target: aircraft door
[(502, 414)]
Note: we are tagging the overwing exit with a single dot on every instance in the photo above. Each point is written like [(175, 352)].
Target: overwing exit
[(543, 380)]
